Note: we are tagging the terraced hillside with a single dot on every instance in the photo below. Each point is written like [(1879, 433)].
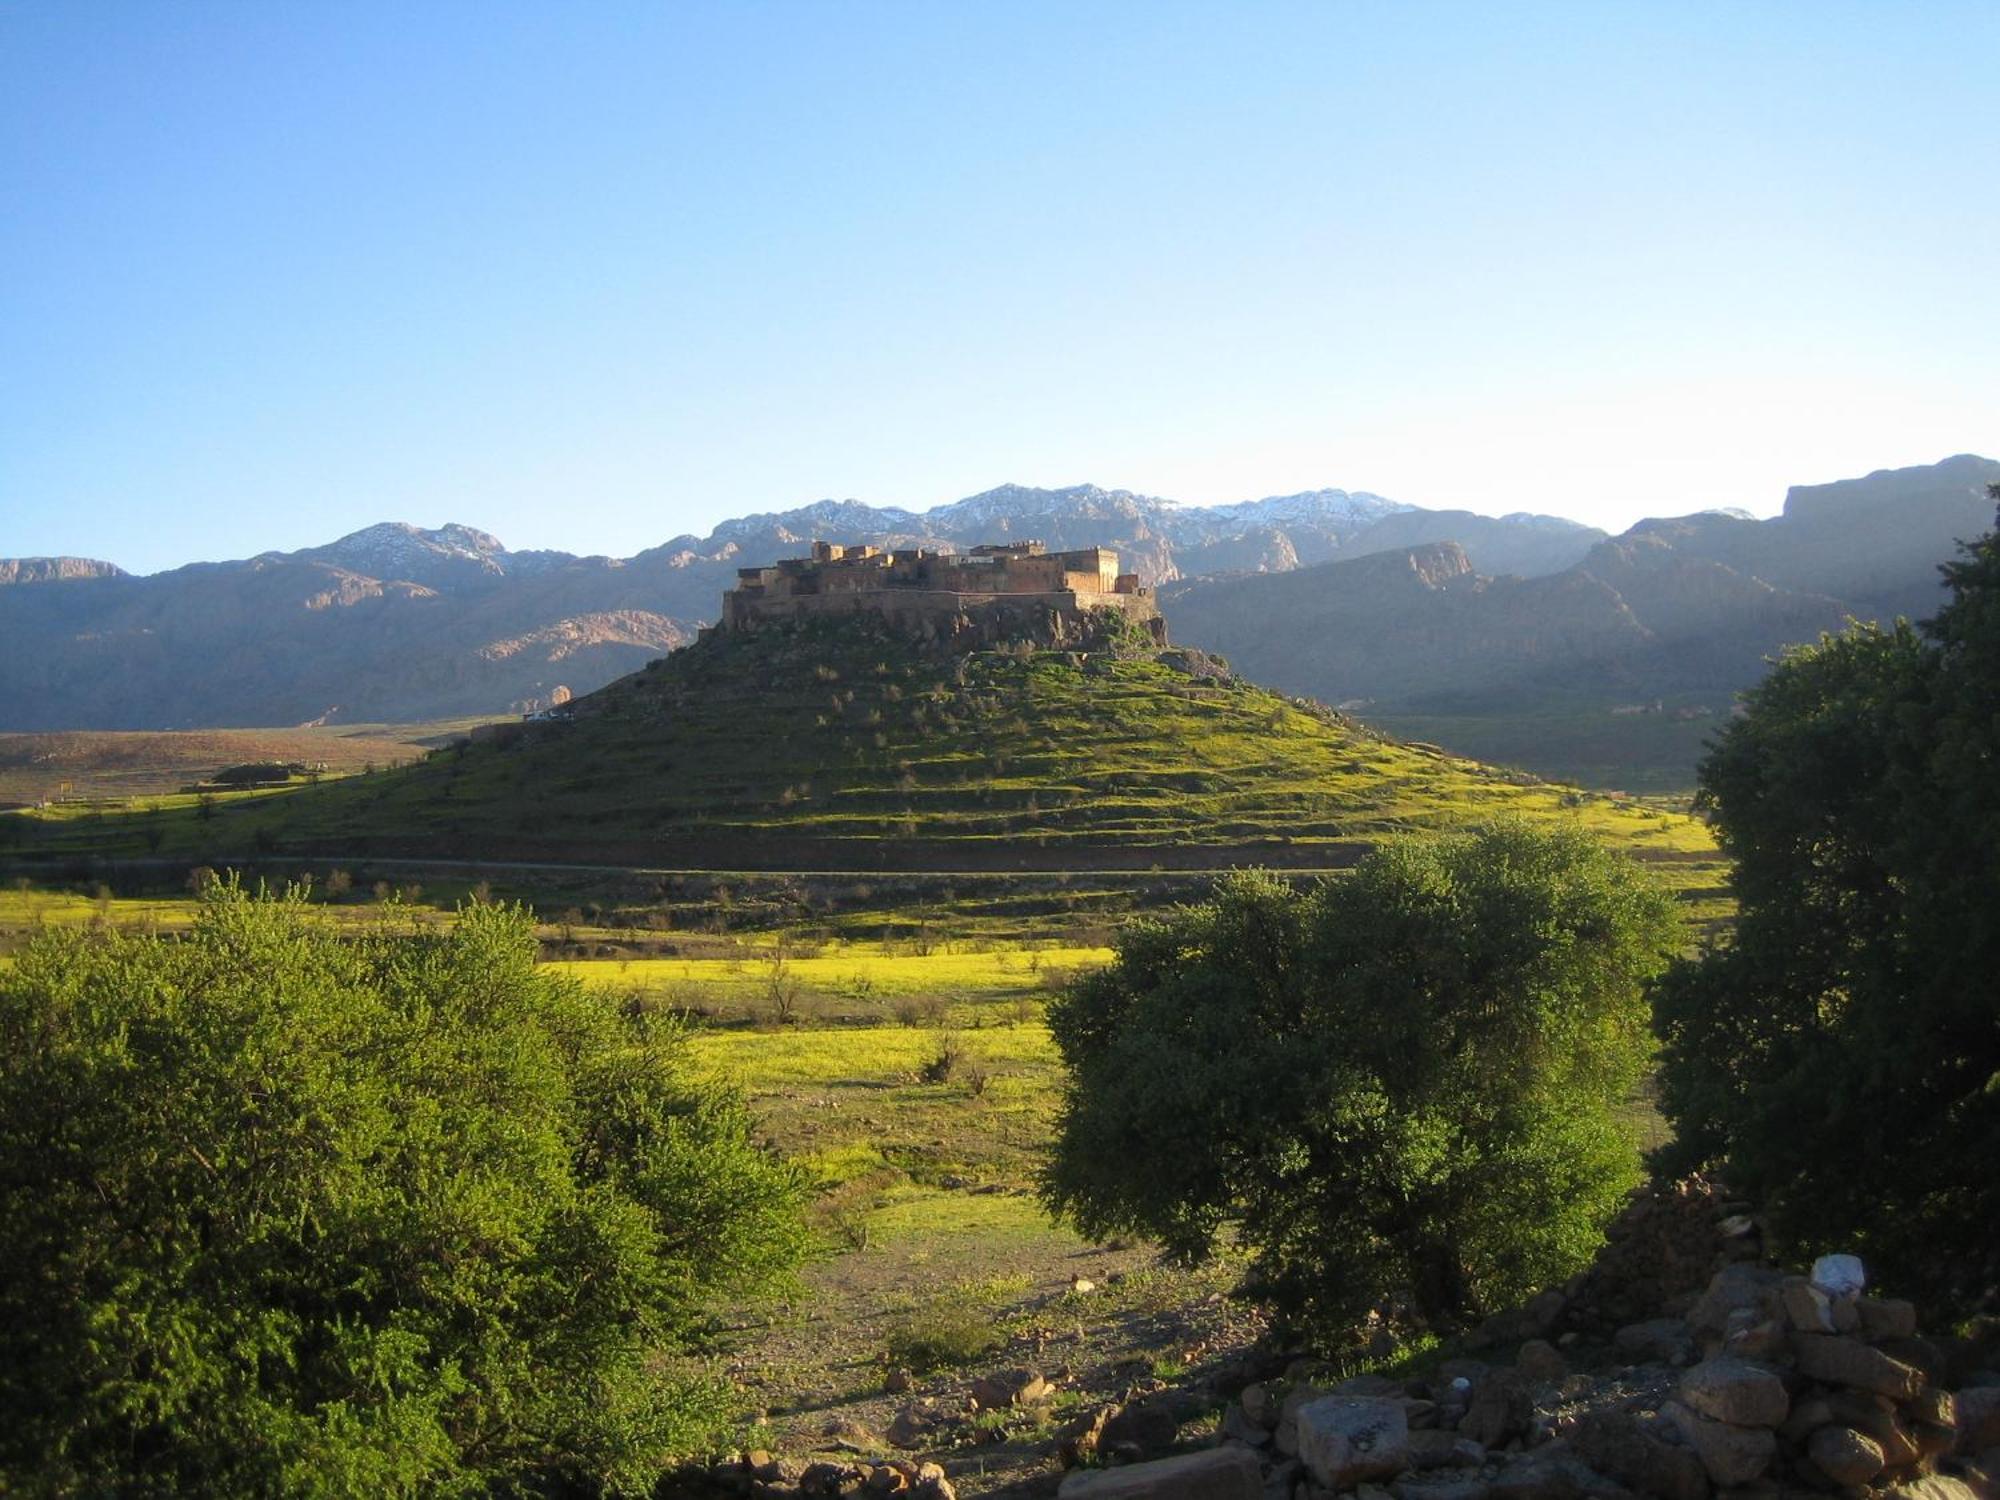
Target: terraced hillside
[(843, 746)]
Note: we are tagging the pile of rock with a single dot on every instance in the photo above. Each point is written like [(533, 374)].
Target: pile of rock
[(1779, 1385), (1811, 1382), (761, 1476), (1665, 1245)]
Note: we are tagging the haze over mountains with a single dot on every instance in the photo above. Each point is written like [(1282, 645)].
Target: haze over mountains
[(1693, 603), (1340, 595)]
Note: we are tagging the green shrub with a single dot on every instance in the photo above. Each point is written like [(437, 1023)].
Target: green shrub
[(285, 1214), (1842, 1050), (942, 1336), (1410, 1080)]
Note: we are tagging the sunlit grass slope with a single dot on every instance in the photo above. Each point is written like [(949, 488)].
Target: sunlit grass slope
[(844, 736), (850, 968)]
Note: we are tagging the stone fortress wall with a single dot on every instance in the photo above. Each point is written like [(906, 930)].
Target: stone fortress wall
[(988, 592)]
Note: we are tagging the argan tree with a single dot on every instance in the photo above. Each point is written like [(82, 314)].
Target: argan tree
[(287, 1214), (1842, 1050), (1410, 1079)]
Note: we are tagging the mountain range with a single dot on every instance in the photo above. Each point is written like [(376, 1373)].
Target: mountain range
[(1434, 615), (395, 623), (1657, 628)]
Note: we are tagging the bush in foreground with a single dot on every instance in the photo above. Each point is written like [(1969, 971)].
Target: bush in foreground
[(1842, 1050), (285, 1214), (1410, 1079)]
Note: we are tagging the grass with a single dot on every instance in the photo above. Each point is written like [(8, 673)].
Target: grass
[(844, 747), (25, 907), (864, 1057), (855, 983), (951, 1333), (928, 1173), (863, 969)]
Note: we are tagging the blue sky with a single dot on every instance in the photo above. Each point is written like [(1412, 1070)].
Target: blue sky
[(590, 276)]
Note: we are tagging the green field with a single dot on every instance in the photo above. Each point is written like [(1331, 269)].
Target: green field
[(916, 1080), (862, 968), (851, 983)]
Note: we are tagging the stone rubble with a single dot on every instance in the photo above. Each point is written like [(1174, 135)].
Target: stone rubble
[(1742, 1383), (1750, 1384)]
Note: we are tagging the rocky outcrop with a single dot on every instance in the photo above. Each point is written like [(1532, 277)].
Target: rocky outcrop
[(55, 569)]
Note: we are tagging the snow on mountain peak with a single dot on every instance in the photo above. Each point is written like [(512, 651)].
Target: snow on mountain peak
[(397, 550)]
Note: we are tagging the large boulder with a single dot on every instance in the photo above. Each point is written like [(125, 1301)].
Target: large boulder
[(1216, 1474), (1978, 1418), (1286, 1434), (1845, 1456), (1732, 1455), (1734, 1286), (1807, 1308), (1736, 1391), (1007, 1388), (1861, 1411), (1142, 1428), (1541, 1362), (1934, 1487), (1840, 1275), (1839, 1360), (1344, 1441), (1887, 1318), (1502, 1409)]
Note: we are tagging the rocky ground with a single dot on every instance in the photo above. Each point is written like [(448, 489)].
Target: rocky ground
[(1680, 1367)]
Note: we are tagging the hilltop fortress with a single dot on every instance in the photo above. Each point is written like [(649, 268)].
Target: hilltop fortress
[(991, 593)]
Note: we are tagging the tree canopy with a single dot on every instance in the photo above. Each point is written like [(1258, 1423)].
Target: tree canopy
[(286, 1213), (1410, 1078), (1842, 1050)]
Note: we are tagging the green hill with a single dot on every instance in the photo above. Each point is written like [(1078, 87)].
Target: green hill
[(843, 745)]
